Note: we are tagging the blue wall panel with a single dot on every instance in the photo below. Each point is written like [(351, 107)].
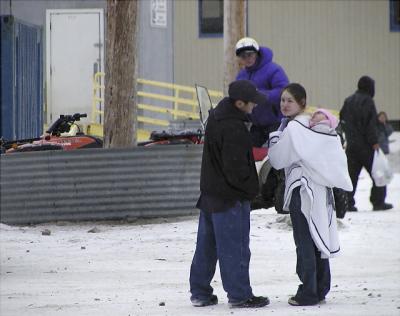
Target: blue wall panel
[(21, 79)]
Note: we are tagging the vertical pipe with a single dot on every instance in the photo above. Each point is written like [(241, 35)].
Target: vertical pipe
[(234, 29)]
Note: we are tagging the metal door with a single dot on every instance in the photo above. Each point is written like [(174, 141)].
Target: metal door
[(74, 49)]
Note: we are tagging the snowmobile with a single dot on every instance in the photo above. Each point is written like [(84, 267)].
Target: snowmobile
[(63, 134), (272, 182), (174, 137), (182, 134)]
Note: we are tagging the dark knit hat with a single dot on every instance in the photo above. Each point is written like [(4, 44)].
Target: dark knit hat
[(367, 84)]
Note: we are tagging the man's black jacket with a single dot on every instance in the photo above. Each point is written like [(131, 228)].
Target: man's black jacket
[(359, 120), (228, 170)]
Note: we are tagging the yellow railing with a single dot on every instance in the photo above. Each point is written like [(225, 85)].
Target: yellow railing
[(182, 102), (98, 96)]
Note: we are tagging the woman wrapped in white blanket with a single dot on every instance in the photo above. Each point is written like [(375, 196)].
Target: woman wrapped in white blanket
[(314, 163)]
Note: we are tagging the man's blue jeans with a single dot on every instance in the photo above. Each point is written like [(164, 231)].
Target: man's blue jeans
[(313, 271), (223, 236)]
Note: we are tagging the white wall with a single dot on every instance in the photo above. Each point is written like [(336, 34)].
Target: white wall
[(326, 45)]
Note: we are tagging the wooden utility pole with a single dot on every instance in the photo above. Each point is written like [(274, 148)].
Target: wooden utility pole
[(120, 104), (234, 29)]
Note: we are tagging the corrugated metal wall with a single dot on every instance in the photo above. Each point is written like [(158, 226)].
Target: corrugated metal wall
[(99, 184), (21, 79), (325, 45)]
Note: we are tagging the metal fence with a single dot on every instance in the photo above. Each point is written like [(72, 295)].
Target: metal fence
[(159, 105), (99, 184)]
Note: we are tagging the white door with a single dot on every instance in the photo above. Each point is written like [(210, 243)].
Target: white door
[(74, 52)]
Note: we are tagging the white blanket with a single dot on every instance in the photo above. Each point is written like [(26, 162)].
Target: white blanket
[(316, 162)]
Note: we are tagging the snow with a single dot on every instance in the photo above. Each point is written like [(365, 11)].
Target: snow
[(142, 267)]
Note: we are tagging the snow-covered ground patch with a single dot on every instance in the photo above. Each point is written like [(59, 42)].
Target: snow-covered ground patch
[(142, 268)]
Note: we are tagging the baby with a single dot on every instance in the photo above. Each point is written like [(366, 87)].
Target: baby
[(323, 121)]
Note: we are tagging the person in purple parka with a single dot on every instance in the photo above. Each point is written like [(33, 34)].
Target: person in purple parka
[(270, 79)]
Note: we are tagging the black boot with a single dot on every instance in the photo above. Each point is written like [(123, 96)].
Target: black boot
[(253, 302), (382, 207), (212, 301)]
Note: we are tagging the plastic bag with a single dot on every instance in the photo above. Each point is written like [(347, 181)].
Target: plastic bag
[(381, 171)]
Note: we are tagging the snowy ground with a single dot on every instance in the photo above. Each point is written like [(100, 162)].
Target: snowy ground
[(142, 268)]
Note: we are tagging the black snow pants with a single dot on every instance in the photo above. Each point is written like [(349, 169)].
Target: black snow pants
[(357, 158)]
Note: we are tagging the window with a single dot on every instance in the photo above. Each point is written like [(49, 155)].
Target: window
[(395, 15), (211, 18)]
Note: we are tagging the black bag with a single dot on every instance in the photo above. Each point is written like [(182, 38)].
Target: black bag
[(341, 202), (273, 190)]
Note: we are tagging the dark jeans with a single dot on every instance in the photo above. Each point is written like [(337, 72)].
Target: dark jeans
[(260, 134), (357, 159), (313, 271), (222, 236)]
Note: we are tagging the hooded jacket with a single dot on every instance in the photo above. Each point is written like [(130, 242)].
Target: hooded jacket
[(228, 170), (358, 117), (269, 79)]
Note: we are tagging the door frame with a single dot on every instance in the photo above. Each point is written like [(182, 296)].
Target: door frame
[(49, 12)]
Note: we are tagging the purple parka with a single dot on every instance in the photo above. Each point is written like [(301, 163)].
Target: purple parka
[(270, 79)]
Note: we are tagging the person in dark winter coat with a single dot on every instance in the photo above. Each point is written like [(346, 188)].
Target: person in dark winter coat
[(359, 122), (270, 79), (228, 182), (384, 131)]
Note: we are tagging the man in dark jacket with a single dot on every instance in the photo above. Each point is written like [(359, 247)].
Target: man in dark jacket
[(228, 182), (359, 121)]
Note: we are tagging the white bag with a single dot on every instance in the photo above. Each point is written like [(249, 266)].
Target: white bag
[(381, 171)]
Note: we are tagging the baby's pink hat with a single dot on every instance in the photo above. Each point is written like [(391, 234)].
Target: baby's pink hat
[(333, 121)]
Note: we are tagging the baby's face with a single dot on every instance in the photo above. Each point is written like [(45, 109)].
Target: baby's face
[(318, 117)]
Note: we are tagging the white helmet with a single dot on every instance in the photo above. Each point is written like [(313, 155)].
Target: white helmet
[(246, 43)]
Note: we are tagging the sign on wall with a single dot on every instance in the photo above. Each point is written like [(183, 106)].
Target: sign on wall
[(158, 13)]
